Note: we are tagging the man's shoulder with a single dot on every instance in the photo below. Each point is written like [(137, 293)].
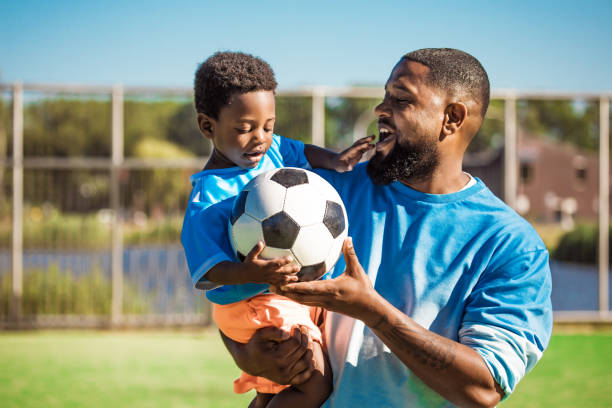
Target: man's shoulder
[(508, 225), (357, 175)]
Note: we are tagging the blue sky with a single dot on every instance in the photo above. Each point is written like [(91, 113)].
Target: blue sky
[(558, 45)]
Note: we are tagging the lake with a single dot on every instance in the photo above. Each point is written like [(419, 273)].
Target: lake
[(162, 271)]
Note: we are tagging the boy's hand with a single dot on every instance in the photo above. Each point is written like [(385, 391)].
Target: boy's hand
[(346, 160), (276, 271)]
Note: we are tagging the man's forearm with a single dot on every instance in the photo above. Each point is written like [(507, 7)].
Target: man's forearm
[(453, 370), (234, 348)]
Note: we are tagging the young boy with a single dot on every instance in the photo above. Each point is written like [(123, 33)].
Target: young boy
[(234, 100)]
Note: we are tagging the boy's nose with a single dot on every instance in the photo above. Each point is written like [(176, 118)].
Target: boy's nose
[(259, 135)]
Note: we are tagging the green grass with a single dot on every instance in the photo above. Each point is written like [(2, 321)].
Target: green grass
[(192, 369), (574, 372), (116, 369)]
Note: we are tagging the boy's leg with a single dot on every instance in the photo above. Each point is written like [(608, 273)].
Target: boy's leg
[(313, 392)]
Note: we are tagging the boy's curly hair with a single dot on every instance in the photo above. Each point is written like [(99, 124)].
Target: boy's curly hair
[(226, 73)]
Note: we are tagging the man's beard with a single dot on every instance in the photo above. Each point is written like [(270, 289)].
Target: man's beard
[(409, 162)]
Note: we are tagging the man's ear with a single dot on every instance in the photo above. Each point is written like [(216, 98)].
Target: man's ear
[(454, 117), (206, 125)]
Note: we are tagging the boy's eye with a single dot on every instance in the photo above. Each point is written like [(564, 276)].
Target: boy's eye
[(243, 130)]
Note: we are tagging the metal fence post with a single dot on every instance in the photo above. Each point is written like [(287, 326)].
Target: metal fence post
[(17, 245), (510, 150), (604, 205), (318, 116), (117, 233)]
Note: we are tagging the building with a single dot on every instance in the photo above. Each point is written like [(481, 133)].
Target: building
[(558, 182)]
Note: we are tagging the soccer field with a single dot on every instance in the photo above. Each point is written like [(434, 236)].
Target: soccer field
[(192, 369)]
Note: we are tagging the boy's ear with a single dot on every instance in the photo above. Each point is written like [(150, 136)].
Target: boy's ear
[(206, 125)]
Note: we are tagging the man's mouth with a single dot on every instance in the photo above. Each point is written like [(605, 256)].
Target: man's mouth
[(386, 138)]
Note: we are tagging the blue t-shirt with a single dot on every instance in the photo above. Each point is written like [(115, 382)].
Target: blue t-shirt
[(463, 265), (205, 235)]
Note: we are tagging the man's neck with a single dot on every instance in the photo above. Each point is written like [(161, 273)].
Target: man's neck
[(441, 181)]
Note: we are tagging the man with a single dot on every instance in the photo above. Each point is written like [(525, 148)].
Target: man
[(452, 304)]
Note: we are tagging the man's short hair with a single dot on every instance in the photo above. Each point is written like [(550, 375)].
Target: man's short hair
[(226, 73), (456, 72)]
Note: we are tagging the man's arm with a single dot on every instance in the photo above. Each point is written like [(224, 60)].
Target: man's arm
[(455, 371), (274, 354)]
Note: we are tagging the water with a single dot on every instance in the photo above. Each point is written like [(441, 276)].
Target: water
[(158, 273), (575, 286), (161, 274)]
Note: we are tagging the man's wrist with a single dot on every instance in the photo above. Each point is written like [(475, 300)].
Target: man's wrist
[(235, 349), (375, 312), (241, 355)]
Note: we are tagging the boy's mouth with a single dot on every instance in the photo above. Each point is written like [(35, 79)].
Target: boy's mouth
[(255, 155)]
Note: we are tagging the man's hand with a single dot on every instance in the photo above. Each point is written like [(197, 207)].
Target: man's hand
[(351, 293), (276, 272), (454, 370), (346, 160), (275, 354)]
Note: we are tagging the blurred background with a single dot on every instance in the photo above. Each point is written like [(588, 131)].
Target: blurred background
[(98, 139)]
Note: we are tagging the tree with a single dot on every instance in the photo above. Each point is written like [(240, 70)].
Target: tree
[(574, 122), (294, 118), (341, 115), (491, 134), (67, 128), (183, 131)]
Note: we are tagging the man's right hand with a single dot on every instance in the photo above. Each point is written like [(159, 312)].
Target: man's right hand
[(274, 354)]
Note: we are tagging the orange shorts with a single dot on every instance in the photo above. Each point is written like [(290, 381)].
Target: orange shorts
[(240, 320)]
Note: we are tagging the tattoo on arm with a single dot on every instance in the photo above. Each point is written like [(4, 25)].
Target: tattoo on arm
[(427, 348)]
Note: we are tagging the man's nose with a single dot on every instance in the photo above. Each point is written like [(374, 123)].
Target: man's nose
[(382, 110)]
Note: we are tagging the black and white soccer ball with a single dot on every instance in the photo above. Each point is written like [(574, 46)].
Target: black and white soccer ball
[(295, 213)]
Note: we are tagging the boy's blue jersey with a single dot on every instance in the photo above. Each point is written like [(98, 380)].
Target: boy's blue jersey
[(205, 235), (463, 265)]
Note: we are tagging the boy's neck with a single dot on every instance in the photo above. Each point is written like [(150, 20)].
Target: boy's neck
[(218, 161)]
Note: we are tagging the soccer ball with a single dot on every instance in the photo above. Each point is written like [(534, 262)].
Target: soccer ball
[(295, 213)]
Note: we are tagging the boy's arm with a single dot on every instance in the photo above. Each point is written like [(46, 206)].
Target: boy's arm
[(254, 270), (319, 157)]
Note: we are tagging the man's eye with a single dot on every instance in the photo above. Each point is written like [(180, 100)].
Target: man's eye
[(403, 100)]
